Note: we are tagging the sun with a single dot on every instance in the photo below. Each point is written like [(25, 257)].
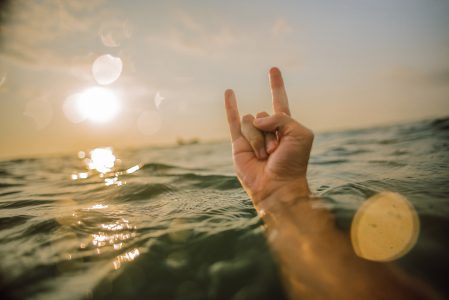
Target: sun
[(98, 104)]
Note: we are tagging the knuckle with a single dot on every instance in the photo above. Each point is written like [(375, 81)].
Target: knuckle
[(262, 114), (282, 115), (248, 118), (309, 134), (254, 138), (233, 118)]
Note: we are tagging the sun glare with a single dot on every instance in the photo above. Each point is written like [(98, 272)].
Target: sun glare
[(98, 104)]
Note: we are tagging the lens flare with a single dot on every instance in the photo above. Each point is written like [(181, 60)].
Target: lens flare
[(158, 99), (106, 69), (385, 228), (133, 169)]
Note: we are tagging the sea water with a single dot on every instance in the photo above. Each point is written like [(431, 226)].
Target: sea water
[(174, 222)]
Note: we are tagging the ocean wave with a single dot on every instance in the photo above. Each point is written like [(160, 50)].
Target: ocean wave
[(46, 226), (24, 203), (440, 124), (157, 167), (181, 224), (7, 185), (135, 191), (9, 222), (325, 161), (219, 182)]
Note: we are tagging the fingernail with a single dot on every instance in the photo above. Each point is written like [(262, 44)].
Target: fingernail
[(262, 154), (274, 70)]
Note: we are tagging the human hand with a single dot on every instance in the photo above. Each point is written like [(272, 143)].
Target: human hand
[(270, 153)]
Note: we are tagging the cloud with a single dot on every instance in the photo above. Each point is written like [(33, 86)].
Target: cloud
[(114, 32), (33, 22), (36, 33), (187, 35), (49, 60), (214, 37)]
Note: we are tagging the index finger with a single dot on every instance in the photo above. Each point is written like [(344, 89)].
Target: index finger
[(232, 113), (278, 93)]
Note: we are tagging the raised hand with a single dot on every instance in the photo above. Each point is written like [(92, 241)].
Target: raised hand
[(270, 153), (270, 157)]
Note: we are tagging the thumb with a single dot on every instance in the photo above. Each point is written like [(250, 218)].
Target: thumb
[(272, 123)]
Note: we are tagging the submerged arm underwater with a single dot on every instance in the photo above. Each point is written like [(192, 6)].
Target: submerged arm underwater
[(316, 260)]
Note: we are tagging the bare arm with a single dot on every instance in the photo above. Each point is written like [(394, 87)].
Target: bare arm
[(317, 261)]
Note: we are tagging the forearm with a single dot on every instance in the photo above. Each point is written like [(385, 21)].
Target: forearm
[(317, 260)]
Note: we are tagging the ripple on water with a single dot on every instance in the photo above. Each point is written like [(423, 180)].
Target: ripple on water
[(24, 203), (135, 192), (171, 231), (9, 222), (219, 182)]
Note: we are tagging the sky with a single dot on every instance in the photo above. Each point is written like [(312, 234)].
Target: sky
[(346, 64)]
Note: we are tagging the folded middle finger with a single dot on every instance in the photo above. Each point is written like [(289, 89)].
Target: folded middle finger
[(254, 136), (270, 137)]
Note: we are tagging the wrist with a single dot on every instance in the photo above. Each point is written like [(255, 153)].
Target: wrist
[(286, 194)]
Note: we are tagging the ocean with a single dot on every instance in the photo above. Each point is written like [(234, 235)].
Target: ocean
[(174, 222)]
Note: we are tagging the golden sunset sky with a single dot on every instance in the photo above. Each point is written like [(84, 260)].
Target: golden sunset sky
[(346, 63)]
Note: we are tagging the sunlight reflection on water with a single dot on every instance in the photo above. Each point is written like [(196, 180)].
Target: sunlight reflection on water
[(105, 163), (102, 160), (98, 206), (115, 235), (127, 257)]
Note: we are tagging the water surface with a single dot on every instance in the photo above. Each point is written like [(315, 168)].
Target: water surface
[(174, 223)]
